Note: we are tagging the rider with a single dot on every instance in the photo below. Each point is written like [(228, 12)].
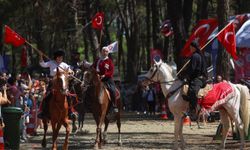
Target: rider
[(105, 67), (196, 75), (52, 65)]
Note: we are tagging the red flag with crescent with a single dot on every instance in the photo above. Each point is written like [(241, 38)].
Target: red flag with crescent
[(11, 37), (97, 21), (228, 40), (200, 33)]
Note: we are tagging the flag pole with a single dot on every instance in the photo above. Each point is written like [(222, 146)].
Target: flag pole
[(100, 40), (41, 53), (184, 66)]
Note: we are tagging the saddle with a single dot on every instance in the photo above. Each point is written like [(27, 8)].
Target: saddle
[(202, 92)]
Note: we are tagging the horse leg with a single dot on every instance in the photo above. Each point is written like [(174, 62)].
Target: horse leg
[(74, 127), (240, 127), (45, 128), (55, 128), (176, 131), (98, 137), (118, 123), (66, 141), (225, 122), (105, 140), (180, 124)]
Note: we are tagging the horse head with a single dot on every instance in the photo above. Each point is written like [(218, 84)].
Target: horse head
[(60, 81), (159, 72)]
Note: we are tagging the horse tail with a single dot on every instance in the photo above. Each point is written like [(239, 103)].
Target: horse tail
[(244, 108)]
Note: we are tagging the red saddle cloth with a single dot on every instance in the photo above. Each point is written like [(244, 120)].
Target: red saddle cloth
[(220, 93)]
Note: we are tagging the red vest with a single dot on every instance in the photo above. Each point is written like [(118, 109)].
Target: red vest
[(106, 67)]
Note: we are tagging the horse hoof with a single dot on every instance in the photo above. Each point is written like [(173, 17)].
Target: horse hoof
[(119, 143), (44, 144)]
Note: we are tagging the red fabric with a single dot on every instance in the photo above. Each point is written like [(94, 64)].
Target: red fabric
[(217, 96), (97, 21), (155, 53), (239, 20), (11, 37), (166, 28), (228, 40), (200, 33), (106, 67), (24, 61)]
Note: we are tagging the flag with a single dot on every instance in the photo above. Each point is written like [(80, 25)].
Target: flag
[(97, 21), (11, 37), (239, 20), (155, 54), (113, 47), (24, 60), (200, 33), (243, 35), (166, 28), (227, 39)]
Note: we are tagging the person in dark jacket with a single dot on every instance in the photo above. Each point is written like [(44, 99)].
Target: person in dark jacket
[(196, 75)]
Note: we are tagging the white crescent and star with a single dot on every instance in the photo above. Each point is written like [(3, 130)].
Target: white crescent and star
[(98, 20), (206, 26), (227, 35)]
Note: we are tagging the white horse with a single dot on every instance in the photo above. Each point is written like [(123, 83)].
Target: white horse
[(235, 108)]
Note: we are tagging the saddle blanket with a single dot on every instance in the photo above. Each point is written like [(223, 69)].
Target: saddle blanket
[(217, 96)]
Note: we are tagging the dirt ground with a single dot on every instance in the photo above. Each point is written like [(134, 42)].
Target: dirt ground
[(138, 132)]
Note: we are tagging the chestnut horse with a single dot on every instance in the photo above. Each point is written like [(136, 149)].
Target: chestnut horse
[(100, 104), (58, 108), (234, 108)]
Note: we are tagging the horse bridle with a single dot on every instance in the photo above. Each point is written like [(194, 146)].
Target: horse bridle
[(154, 73)]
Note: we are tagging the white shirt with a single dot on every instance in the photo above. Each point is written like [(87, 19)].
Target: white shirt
[(53, 65)]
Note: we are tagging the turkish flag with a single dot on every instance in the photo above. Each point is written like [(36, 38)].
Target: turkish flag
[(11, 37), (228, 40), (200, 33), (97, 21)]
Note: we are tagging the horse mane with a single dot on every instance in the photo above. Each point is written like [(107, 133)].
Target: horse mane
[(170, 69)]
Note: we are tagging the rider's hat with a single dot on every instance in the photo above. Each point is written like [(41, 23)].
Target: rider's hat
[(59, 53)]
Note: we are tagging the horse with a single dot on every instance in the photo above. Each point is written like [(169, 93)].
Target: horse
[(235, 107), (76, 87), (100, 105), (58, 108)]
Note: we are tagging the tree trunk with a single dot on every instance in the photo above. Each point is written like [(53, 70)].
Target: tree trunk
[(202, 9), (222, 67), (178, 26), (148, 29), (187, 13)]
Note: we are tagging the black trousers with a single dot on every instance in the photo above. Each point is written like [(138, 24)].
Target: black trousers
[(109, 82), (194, 87)]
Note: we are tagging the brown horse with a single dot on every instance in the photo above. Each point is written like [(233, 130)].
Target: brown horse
[(58, 107), (100, 104)]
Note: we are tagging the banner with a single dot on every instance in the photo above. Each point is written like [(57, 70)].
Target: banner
[(97, 21), (201, 32), (242, 65), (155, 54)]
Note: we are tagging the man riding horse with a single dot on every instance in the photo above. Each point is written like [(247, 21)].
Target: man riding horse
[(52, 65), (195, 75), (105, 68)]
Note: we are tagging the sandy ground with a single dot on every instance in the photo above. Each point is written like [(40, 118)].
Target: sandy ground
[(138, 132)]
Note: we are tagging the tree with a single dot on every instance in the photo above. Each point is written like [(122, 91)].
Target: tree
[(222, 67)]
